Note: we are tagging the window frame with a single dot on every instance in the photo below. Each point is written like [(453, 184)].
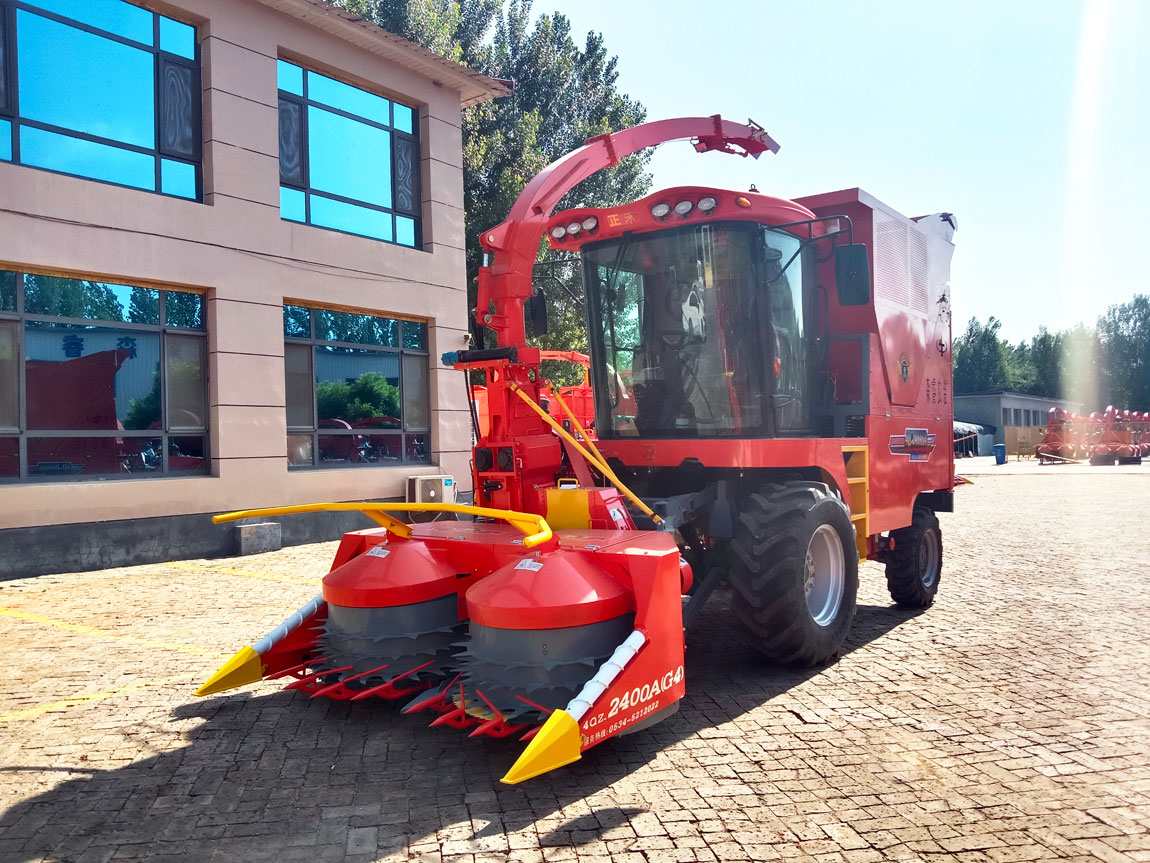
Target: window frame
[(315, 432), (10, 109), (303, 103), (22, 433)]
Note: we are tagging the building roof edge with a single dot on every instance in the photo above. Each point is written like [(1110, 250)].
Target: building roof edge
[(473, 87)]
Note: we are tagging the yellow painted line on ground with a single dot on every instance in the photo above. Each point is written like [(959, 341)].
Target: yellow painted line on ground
[(103, 633), (247, 573), (72, 701)]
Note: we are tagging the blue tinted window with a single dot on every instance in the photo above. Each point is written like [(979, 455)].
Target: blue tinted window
[(95, 106), (403, 117), (7, 291), (86, 158), (177, 178), (290, 77), (114, 16), (177, 38), (336, 161), (182, 309), (292, 204), (83, 298), (3, 59), (345, 97), (80, 81), (349, 158), (415, 335), (361, 329), (297, 322), (350, 218), (404, 231)]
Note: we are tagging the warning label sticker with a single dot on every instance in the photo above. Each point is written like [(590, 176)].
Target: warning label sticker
[(528, 563)]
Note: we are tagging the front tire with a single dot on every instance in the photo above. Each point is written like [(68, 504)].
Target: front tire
[(914, 565), (795, 572)]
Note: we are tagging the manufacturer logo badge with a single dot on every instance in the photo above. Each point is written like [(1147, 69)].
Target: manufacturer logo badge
[(917, 444)]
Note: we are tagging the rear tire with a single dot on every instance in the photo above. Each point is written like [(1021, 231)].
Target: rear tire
[(914, 566), (795, 572)]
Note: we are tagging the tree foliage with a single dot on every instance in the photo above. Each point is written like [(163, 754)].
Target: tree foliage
[(564, 93), (369, 395), (1108, 363), (982, 359)]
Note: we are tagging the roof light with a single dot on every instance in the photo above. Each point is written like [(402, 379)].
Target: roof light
[(660, 211), (574, 228), (743, 202), (683, 207), (708, 204), (558, 232), (590, 223)]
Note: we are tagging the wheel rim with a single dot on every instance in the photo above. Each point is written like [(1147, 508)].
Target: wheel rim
[(929, 559), (824, 575)]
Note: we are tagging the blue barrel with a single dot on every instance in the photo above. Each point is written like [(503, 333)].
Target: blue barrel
[(1000, 453)]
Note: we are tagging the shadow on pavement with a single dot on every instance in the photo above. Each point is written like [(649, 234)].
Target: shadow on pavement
[(280, 777)]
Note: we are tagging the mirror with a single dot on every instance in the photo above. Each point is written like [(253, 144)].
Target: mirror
[(535, 313), (852, 275)]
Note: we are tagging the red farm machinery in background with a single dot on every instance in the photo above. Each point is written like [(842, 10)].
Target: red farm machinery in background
[(1107, 438), (771, 382)]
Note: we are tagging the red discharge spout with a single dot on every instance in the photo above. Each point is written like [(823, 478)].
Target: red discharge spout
[(506, 283)]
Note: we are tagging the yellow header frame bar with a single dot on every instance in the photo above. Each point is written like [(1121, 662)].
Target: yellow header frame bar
[(534, 528)]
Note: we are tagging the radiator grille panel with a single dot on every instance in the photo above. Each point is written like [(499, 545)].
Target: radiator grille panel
[(890, 264)]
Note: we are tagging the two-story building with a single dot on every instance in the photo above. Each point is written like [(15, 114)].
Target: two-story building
[(231, 246)]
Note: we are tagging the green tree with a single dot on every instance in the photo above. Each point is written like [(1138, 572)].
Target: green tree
[(145, 411), (980, 359), (1045, 356), (1124, 335), (369, 395), (564, 93), (7, 290), (1082, 370), (183, 309), (144, 306), (560, 279), (71, 298), (1021, 374)]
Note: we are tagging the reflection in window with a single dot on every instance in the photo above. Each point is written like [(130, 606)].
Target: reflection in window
[(7, 291), (349, 159), (94, 95), (355, 395), (105, 372), (9, 375)]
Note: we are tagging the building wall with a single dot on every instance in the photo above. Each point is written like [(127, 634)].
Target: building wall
[(235, 247)]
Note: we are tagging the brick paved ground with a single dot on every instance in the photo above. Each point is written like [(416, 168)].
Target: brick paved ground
[(1008, 723)]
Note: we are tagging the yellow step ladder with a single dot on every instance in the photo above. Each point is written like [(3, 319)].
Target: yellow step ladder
[(857, 461)]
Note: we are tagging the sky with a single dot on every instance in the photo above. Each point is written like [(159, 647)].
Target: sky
[(1027, 120)]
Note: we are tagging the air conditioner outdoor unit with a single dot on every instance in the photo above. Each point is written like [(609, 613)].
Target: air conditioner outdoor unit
[(431, 489)]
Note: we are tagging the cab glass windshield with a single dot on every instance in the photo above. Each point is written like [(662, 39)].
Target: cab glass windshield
[(675, 326)]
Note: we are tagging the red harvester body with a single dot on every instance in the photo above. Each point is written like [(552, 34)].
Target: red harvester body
[(761, 415)]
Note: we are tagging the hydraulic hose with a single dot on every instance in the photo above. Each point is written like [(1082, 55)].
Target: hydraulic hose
[(601, 466)]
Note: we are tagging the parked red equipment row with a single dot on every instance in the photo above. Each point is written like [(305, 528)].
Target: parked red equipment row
[(1110, 437)]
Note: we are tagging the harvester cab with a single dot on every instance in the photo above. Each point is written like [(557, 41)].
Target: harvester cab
[(769, 380)]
